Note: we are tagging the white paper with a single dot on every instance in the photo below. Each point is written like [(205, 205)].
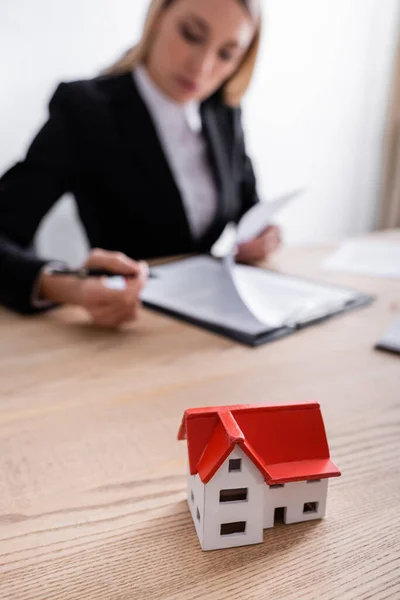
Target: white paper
[(257, 219), (201, 288), (277, 300), (241, 298), (246, 299), (371, 258), (251, 225)]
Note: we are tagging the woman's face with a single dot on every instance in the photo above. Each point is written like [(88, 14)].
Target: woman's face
[(198, 45)]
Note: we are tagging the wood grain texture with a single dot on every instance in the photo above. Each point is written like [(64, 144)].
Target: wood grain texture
[(92, 479)]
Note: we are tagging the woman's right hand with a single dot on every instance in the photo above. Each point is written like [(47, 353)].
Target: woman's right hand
[(107, 307), (113, 307)]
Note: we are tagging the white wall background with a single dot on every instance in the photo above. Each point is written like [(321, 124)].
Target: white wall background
[(314, 116)]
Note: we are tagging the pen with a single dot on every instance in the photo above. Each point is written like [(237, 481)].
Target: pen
[(85, 273)]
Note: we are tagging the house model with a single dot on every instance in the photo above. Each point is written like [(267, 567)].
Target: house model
[(248, 464)]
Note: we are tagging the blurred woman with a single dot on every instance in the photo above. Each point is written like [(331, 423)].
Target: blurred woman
[(154, 153)]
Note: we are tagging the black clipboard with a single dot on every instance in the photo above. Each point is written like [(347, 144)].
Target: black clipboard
[(270, 334)]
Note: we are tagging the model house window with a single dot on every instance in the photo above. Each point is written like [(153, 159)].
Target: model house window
[(314, 481), (230, 528), (198, 514), (236, 495), (310, 507), (192, 496), (235, 464), (276, 486)]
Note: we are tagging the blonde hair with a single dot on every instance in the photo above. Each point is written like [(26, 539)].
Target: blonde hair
[(234, 89)]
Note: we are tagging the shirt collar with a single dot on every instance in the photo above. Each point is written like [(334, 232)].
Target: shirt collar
[(163, 106)]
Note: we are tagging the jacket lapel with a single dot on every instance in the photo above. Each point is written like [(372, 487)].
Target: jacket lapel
[(144, 147)]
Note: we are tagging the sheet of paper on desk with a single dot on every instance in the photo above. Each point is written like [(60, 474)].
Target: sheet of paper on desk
[(201, 288), (279, 300), (373, 258)]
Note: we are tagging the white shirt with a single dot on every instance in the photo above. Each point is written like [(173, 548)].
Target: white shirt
[(179, 128)]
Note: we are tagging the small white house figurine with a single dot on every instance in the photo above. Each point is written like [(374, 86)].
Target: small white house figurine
[(250, 463)]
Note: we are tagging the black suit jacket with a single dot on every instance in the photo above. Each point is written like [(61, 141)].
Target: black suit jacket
[(100, 143)]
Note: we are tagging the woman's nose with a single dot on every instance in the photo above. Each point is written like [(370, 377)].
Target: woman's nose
[(203, 64)]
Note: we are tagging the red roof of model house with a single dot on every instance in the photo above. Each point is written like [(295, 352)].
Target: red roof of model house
[(287, 443)]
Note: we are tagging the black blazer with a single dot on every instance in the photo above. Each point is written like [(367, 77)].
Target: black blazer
[(100, 143)]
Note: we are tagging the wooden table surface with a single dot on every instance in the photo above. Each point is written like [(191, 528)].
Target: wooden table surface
[(92, 479)]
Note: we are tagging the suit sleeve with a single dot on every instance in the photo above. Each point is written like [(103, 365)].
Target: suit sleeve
[(247, 182), (27, 192)]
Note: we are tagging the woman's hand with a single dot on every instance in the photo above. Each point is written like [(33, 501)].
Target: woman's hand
[(108, 307), (113, 307), (261, 247)]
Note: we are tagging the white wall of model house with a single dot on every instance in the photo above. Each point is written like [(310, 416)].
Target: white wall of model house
[(215, 514), (223, 522), (301, 501)]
